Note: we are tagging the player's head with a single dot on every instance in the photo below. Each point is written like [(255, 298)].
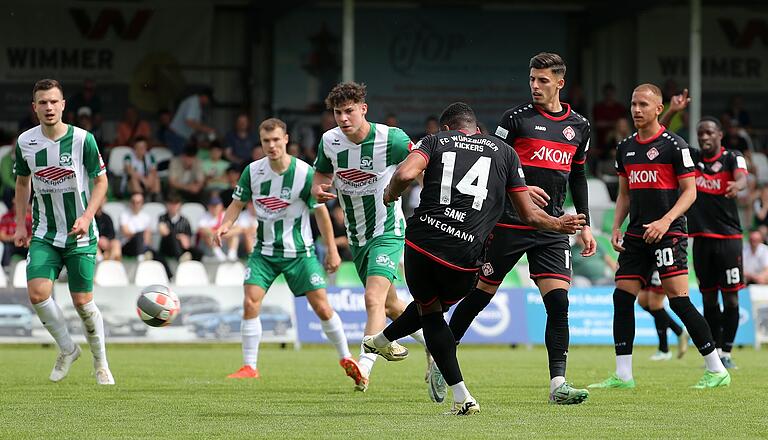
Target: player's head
[(547, 77), (48, 101), (458, 116), (646, 105), (710, 134), (274, 138), (347, 100)]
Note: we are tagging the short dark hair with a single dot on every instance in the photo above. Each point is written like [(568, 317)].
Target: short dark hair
[(190, 150), (138, 139), (273, 123), (343, 93), (46, 84), (457, 114), (173, 197), (548, 60), (713, 120)]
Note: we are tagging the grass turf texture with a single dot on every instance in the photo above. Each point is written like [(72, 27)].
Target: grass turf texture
[(169, 391)]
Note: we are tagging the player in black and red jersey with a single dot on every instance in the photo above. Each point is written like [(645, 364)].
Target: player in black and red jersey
[(552, 141), (716, 229), (656, 188), (466, 178)]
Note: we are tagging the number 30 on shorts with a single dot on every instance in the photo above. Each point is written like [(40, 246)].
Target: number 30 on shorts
[(664, 257)]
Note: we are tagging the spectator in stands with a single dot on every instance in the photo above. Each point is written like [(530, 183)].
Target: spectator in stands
[(240, 140), (132, 127), (175, 234), (186, 176), (108, 247), (188, 121), (597, 270), (163, 134), (756, 259), (209, 224), (86, 98), (7, 178), (576, 99), (233, 176), (28, 121), (735, 137), (760, 209), (604, 116), (340, 232), (215, 169), (431, 126), (7, 231), (140, 173), (136, 229), (257, 153), (739, 113)]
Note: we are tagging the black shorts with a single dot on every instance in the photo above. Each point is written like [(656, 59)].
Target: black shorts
[(429, 280), (718, 264), (549, 254), (638, 261)]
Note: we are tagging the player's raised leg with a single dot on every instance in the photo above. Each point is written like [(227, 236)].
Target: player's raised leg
[(250, 328)]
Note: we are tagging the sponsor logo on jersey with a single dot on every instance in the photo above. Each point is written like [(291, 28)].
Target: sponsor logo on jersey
[(653, 153), (272, 204), (552, 155), (643, 176), (569, 133), (487, 269), (65, 160), (366, 163), (717, 166), (540, 128), (55, 175), (356, 178), (709, 184)]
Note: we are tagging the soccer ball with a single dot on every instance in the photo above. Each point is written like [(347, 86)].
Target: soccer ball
[(157, 305)]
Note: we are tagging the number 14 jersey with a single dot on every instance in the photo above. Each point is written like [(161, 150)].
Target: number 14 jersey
[(465, 185)]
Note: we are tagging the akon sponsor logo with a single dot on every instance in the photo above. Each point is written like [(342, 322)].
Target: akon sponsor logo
[(552, 155), (643, 176), (714, 184)]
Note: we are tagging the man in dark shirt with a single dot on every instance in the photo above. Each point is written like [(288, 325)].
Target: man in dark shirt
[(109, 247), (176, 233), (656, 188)]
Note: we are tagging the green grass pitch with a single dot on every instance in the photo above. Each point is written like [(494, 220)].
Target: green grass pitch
[(171, 391)]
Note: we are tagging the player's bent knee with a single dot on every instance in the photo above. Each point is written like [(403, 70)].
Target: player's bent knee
[(80, 299), (39, 289), (731, 299)]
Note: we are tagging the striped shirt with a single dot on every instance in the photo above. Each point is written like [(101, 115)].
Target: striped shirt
[(282, 203), (361, 172), (60, 171)]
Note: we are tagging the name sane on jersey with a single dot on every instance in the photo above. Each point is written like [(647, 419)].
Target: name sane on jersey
[(472, 144)]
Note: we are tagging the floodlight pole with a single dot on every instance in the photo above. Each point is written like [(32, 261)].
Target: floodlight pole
[(348, 42), (695, 72)]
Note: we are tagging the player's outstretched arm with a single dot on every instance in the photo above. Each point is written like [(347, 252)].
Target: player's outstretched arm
[(230, 216), (677, 104), (82, 224), (622, 209), (20, 237), (406, 172), (655, 231), (534, 216), (321, 184), (332, 258)]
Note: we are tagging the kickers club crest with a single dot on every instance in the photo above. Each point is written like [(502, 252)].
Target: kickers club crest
[(569, 133), (653, 153), (487, 269)]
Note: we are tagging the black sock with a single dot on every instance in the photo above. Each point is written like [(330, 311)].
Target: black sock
[(442, 345), (556, 335), (674, 326), (467, 310), (714, 319), (661, 319), (695, 323), (405, 324), (623, 321), (730, 326)]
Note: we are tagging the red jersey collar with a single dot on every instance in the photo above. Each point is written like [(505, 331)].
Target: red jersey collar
[(650, 139), (555, 118), (717, 156)]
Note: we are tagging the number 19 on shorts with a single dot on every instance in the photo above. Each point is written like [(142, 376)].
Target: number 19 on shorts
[(664, 257)]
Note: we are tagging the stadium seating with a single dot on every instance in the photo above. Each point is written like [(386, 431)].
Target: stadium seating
[(229, 274), (161, 154), (599, 197), (5, 149), (116, 157), (20, 274), (193, 212), (113, 210), (154, 210), (191, 273), (110, 273), (3, 279), (760, 161), (150, 272)]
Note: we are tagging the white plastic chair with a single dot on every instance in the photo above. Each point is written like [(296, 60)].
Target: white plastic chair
[(191, 273), (111, 273), (599, 197), (150, 272), (116, 158), (193, 211), (230, 274), (5, 149), (161, 154), (760, 161), (3, 208), (20, 274), (3, 278), (114, 210), (154, 210)]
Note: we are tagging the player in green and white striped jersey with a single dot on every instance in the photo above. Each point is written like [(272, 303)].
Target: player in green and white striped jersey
[(59, 161), (279, 186), (358, 159)]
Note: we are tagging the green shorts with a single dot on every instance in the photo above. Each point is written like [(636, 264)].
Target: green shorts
[(303, 274), (45, 260), (378, 256)]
